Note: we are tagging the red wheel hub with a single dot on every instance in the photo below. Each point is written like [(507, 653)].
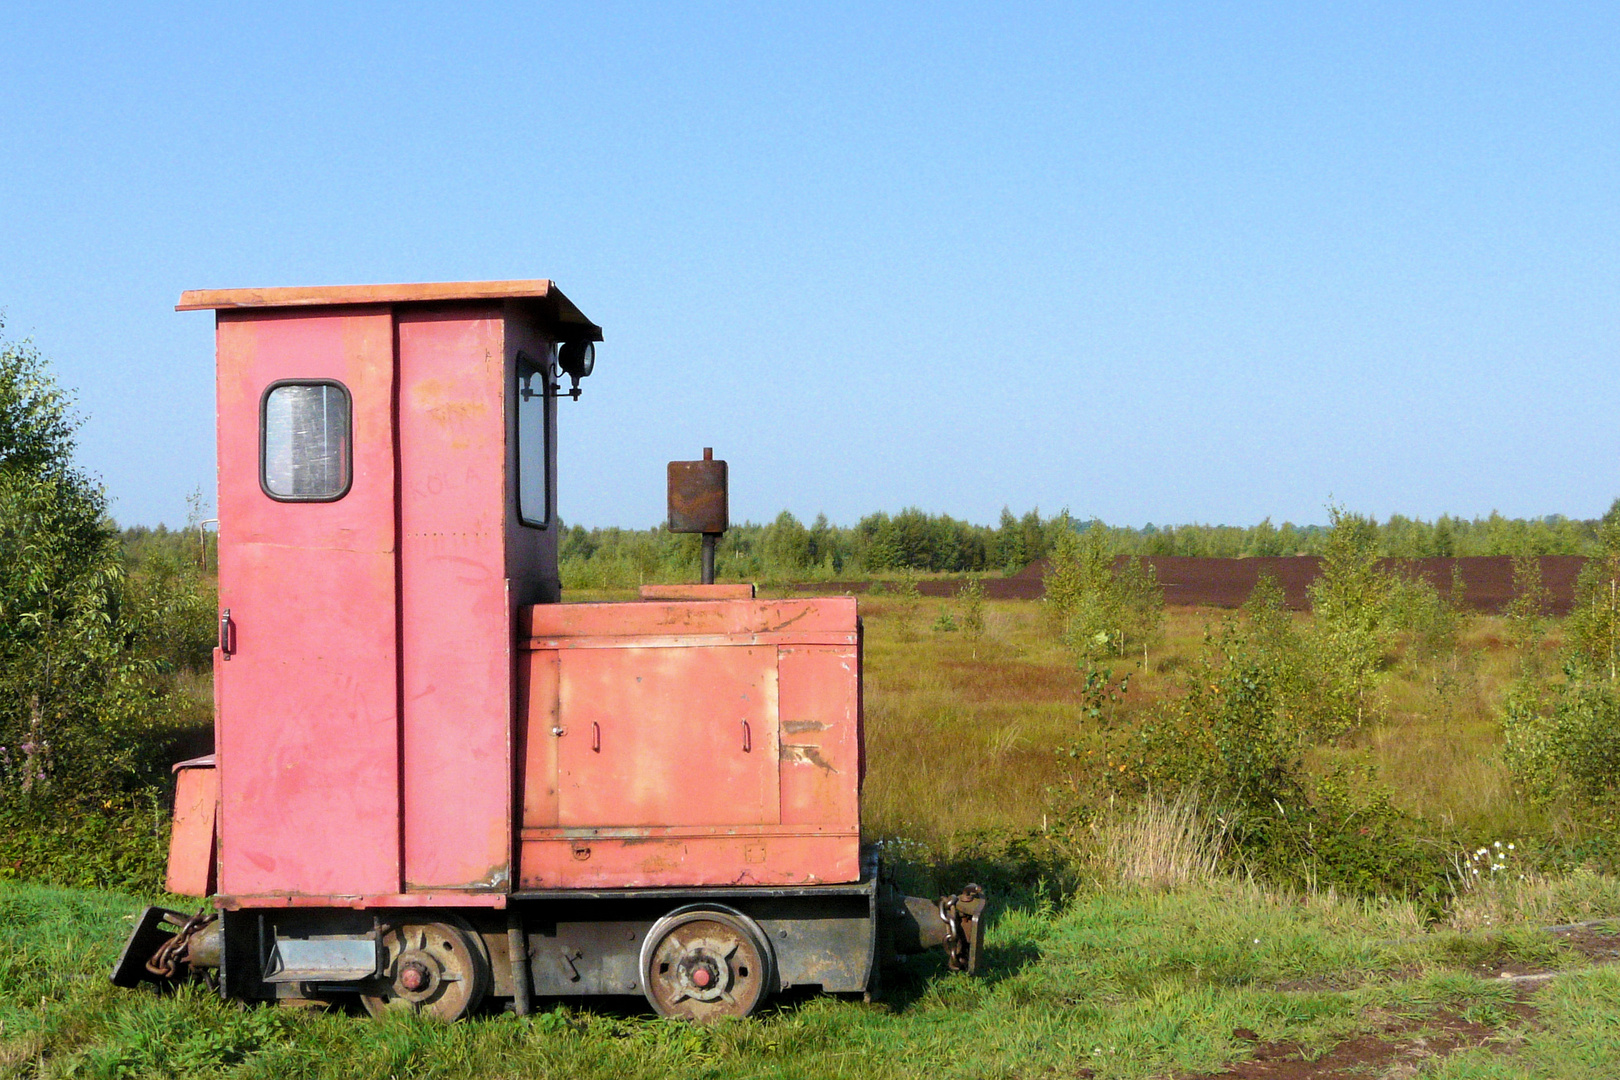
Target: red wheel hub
[(413, 977)]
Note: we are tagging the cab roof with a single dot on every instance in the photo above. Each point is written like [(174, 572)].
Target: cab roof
[(568, 319)]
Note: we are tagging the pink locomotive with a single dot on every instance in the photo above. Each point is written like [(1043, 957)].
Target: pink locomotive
[(435, 784)]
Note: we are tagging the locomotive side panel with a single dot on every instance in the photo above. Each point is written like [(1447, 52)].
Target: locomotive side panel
[(539, 673), (667, 737), (821, 739), (689, 743)]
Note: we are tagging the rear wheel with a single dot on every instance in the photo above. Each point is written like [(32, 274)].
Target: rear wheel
[(705, 963), (432, 967)]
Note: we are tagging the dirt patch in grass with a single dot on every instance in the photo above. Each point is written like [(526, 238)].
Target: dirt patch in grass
[(1599, 944), (1402, 1047), (1406, 1046)]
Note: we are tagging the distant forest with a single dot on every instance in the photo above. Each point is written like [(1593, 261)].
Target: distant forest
[(882, 544), (786, 549)]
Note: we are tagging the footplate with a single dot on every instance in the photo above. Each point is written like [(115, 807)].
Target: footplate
[(154, 929)]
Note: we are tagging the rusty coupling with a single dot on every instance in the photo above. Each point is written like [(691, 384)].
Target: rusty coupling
[(964, 929), (914, 924)]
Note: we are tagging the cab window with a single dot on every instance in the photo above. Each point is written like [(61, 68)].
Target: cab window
[(533, 441), (305, 441)]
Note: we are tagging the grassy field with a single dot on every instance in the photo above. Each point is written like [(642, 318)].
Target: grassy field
[(967, 735), (1087, 973), (1112, 983)]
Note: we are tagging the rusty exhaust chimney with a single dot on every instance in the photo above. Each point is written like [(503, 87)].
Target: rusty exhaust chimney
[(698, 503)]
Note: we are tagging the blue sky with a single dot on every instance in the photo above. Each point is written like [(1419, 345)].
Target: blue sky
[(1151, 262)]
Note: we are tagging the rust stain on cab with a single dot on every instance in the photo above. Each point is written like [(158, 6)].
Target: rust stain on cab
[(796, 754)]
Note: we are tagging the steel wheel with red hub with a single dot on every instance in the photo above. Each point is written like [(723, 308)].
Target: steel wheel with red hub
[(433, 967), (705, 963)]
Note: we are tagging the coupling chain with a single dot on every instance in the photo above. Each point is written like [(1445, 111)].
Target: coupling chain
[(172, 953)]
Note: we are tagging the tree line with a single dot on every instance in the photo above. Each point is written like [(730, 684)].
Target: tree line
[(786, 549)]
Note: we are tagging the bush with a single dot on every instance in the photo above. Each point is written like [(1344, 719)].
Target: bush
[(1238, 731), (1234, 742), (1433, 623), (1141, 605), (1093, 608), (1562, 741), (971, 597), (171, 607), (1562, 745), (89, 702), (1076, 590), (1353, 838), (1352, 601), (122, 843), (61, 626), (1592, 631), (905, 614)]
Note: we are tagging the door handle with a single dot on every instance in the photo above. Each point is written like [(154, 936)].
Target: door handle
[(748, 739), (596, 737), (226, 636)]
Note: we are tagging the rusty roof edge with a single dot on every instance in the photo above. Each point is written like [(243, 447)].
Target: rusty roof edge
[(336, 295), (562, 310)]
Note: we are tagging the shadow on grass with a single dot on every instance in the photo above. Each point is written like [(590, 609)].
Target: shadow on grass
[(912, 979), (1030, 872)]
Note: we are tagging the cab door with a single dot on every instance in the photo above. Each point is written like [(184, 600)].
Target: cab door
[(307, 670)]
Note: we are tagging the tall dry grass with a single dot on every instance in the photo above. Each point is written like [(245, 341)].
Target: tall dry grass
[(1157, 844), (956, 743), (1534, 899)]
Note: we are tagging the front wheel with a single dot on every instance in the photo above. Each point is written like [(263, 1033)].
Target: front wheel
[(706, 963)]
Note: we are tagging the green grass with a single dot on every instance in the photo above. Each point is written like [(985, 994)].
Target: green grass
[(1125, 983), (1578, 1037)]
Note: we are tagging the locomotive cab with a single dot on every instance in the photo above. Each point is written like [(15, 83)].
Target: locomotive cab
[(434, 782)]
